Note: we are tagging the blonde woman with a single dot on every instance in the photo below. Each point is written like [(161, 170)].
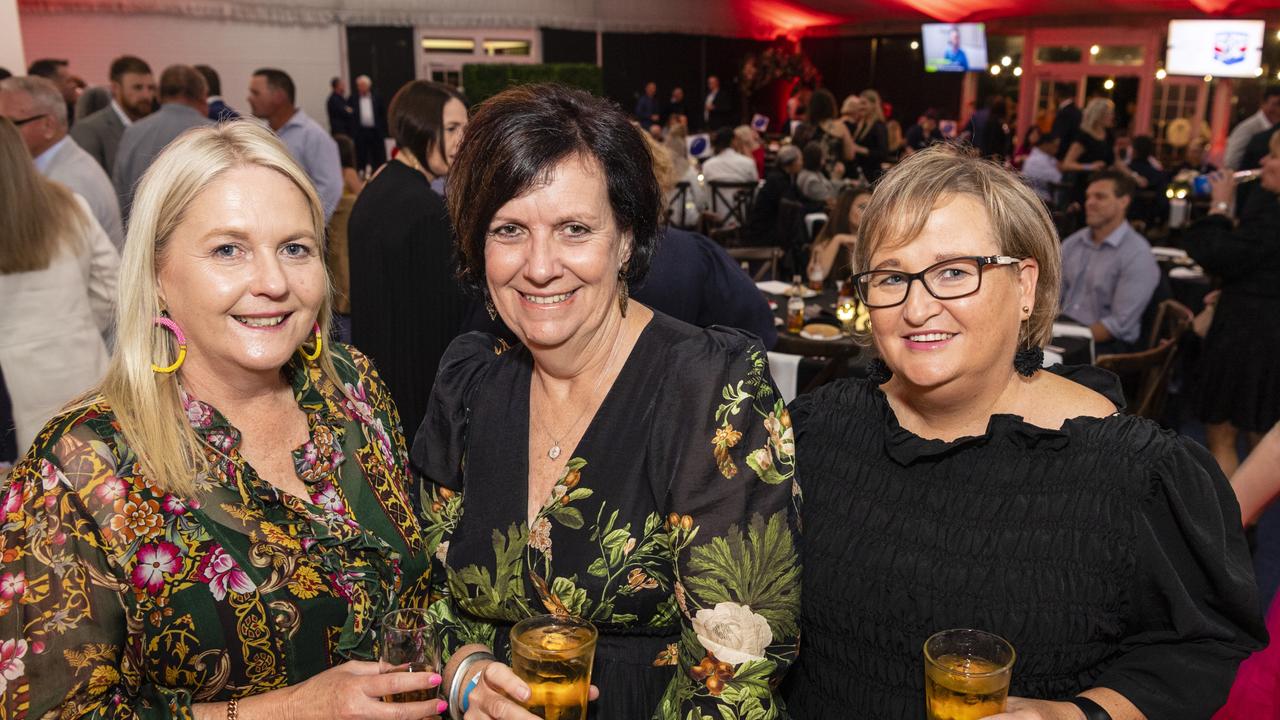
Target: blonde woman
[(870, 136), (961, 486), (57, 287), (1091, 149), (217, 530)]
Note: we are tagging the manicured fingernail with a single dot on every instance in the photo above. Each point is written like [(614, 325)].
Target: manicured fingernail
[(441, 707), (524, 694), (434, 680)]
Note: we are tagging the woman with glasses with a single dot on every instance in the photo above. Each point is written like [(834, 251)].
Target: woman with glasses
[(961, 486)]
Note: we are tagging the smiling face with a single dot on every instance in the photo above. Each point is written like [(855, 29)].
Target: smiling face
[(552, 257), (243, 274), (930, 343)]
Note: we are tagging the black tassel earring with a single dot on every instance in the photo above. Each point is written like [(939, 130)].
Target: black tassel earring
[(878, 372), (1028, 359)]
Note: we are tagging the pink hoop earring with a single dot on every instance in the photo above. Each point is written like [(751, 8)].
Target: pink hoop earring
[(315, 354), (171, 326)]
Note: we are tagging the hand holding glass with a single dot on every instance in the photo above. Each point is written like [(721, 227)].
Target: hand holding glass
[(966, 674), (408, 644), (553, 655)]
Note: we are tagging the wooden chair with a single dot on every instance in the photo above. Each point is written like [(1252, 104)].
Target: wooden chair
[(1173, 319), (731, 204), (767, 257), (677, 211), (1145, 374)]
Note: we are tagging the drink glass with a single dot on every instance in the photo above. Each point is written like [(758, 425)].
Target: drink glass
[(966, 674), (408, 643), (816, 277), (553, 655)]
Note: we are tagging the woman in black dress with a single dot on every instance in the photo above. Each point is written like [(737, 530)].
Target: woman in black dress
[(1091, 148), (870, 136), (963, 487), (1239, 384), (635, 469), (406, 306)]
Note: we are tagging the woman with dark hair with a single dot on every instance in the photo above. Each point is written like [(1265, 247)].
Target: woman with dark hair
[(833, 248), (814, 187), (616, 463), (832, 132), (406, 306)]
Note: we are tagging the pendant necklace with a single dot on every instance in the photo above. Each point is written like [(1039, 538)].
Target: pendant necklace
[(554, 452)]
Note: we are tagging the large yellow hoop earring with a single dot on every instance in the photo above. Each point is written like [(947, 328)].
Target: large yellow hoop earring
[(171, 326), (315, 354)]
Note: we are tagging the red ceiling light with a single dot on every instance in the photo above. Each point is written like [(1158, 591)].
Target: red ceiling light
[(957, 10), (784, 17)]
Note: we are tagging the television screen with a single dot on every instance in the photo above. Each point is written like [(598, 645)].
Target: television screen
[(954, 47), (1222, 48)]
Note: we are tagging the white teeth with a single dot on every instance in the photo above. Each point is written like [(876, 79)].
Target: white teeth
[(261, 321), (930, 337), (547, 299)]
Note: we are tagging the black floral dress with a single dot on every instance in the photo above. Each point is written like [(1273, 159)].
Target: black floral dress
[(118, 599), (672, 528)]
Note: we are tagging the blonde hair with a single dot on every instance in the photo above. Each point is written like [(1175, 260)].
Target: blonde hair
[(146, 404), (677, 152), (872, 99), (850, 105), (905, 197), (1094, 112), (39, 217), (664, 168)]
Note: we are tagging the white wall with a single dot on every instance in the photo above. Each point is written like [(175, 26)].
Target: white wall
[(311, 55), (11, 56)]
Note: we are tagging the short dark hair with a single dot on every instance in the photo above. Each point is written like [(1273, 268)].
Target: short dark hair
[(415, 117), (182, 81), (1124, 185), (1144, 146), (517, 138), (127, 64), (822, 106), (722, 138), (46, 67), (333, 84), (210, 79), (814, 154), (4, 73), (1270, 92), (346, 150), (278, 80)]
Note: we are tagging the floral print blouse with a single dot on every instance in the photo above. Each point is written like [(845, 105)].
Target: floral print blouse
[(118, 599), (673, 526)]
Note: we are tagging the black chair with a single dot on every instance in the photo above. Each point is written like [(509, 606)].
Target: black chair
[(731, 205), (677, 214)]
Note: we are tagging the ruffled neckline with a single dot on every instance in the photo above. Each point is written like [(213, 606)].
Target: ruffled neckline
[(905, 447)]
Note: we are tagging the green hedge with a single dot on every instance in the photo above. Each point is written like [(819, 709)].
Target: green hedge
[(481, 82)]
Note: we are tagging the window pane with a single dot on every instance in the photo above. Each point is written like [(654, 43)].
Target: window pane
[(459, 46), (1116, 55), (507, 47), (1058, 54)]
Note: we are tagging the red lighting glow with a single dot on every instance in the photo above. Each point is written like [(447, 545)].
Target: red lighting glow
[(783, 17)]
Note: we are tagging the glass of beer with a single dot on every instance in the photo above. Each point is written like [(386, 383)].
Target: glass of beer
[(966, 674), (553, 655), (408, 643)]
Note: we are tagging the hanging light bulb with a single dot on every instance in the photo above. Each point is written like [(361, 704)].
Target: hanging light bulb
[(1208, 78), (915, 44), (1006, 61), (1094, 50), (1017, 72), (995, 69), (1109, 84), (1161, 74)]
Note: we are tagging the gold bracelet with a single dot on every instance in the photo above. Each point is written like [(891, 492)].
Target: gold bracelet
[(233, 709)]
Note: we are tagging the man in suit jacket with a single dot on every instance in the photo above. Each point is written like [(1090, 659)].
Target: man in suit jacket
[(219, 111), (133, 91), (369, 123), (341, 116), (1067, 121), (717, 109), (183, 104), (56, 156)]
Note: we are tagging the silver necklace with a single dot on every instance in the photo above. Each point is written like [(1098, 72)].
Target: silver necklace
[(554, 452)]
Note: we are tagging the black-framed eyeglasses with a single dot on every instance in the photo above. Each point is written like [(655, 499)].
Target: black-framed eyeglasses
[(24, 121), (947, 280)]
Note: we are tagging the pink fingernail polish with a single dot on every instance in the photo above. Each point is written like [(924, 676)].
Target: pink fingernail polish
[(442, 707), (434, 680)]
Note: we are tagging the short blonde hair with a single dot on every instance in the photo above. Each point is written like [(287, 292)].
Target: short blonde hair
[(1091, 117), (872, 99), (147, 405), (905, 197)]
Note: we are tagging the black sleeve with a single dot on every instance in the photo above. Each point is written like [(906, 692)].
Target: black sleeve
[(1233, 253), (731, 298), (877, 143), (440, 443), (1194, 611)]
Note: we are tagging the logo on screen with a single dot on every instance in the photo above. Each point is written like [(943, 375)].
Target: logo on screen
[(1229, 47)]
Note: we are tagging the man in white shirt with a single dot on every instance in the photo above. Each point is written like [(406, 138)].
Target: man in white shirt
[(1041, 167), (369, 124), (36, 106), (1268, 114), (728, 166)]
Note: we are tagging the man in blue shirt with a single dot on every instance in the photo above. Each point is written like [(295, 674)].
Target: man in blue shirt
[(1108, 273), (271, 96)]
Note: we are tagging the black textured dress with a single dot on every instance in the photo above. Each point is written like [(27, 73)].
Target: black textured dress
[(1108, 552), (1239, 378)]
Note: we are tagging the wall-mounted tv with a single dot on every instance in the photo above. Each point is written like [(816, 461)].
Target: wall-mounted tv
[(1222, 48), (954, 47)]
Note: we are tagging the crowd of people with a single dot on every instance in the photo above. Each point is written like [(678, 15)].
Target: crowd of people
[(269, 385)]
